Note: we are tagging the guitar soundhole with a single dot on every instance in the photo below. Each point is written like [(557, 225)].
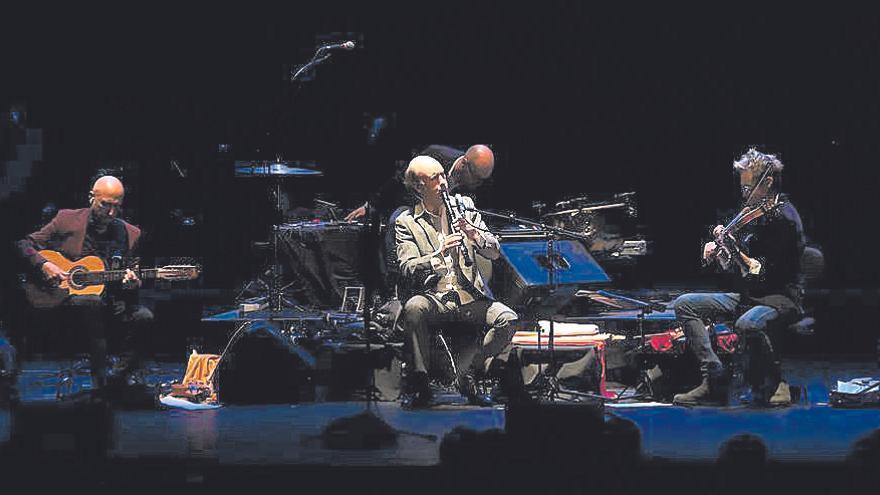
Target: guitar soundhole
[(77, 277)]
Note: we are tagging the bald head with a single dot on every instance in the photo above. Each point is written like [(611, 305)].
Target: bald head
[(108, 186), (481, 160), (107, 193), (472, 168), (423, 171)]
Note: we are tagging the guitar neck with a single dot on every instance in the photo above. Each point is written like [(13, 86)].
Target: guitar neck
[(117, 275)]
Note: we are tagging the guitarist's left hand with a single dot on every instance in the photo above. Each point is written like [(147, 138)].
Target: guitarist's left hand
[(131, 280)]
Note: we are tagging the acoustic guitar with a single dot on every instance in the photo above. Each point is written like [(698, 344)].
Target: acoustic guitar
[(88, 276)]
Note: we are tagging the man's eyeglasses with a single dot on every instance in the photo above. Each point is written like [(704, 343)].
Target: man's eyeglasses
[(106, 206)]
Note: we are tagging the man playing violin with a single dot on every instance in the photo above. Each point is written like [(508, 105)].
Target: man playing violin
[(96, 230), (764, 245)]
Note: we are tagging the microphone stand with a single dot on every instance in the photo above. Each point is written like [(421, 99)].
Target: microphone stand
[(551, 234), (317, 59), (274, 299), (276, 290), (367, 427)]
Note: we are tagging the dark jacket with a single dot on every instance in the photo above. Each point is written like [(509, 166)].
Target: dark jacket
[(777, 241), (65, 233)]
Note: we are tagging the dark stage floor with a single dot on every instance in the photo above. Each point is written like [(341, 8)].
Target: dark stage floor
[(289, 434)]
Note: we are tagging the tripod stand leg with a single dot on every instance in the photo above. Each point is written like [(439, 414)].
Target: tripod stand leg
[(248, 285)]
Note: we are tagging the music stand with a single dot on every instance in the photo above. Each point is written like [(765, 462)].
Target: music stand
[(553, 262)]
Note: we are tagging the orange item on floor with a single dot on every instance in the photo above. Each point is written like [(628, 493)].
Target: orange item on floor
[(198, 378)]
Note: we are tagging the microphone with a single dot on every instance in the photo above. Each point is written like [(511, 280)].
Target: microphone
[(347, 46)]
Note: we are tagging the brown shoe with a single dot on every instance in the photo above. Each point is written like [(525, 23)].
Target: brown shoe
[(782, 396), (702, 395)]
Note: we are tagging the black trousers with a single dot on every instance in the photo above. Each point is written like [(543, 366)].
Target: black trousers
[(96, 316)]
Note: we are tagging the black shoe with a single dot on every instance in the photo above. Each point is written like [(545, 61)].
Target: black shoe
[(467, 387), (121, 391), (417, 393), (502, 393), (416, 400), (86, 397)]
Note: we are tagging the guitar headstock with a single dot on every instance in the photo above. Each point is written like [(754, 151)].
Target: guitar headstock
[(178, 272)]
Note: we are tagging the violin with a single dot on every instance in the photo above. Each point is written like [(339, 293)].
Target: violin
[(728, 250)]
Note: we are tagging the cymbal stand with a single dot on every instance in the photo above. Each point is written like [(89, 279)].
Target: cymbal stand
[(274, 297)]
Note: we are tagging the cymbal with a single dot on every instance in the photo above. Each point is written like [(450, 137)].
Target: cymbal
[(270, 168)]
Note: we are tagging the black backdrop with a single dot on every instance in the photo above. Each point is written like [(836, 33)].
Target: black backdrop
[(573, 100)]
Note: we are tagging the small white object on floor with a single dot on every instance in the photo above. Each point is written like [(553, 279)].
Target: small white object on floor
[(856, 385), (179, 403)]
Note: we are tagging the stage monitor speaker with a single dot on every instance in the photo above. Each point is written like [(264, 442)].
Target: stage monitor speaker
[(565, 435), (521, 278), (262, 366)]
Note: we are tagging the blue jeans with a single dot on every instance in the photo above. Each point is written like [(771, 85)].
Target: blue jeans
[(695, 310)]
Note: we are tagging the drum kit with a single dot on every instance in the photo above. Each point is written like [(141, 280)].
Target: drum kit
[(305, 241), (277, 172)]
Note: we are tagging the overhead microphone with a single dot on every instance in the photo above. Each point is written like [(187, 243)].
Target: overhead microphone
[(322, 55), (347, 46)]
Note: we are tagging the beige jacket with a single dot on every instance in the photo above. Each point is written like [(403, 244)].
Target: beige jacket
[(418, 250)]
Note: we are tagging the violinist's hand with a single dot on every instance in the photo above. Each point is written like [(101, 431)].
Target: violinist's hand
[(753, 264), (451, 241), (717, 230), (130, 280), (709, 249), (467, 229)]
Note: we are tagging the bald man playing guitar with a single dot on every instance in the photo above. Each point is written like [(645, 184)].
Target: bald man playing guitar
[(93, 231)]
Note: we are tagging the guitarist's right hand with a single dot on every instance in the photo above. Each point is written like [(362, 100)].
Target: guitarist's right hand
[(54, 273)]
